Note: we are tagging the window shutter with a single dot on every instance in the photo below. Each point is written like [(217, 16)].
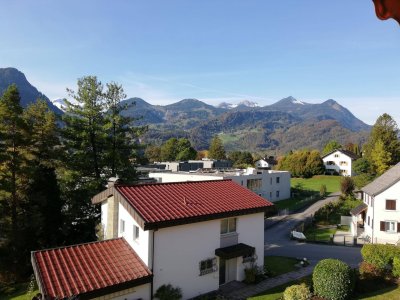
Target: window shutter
[(398, 227), (382, 226)]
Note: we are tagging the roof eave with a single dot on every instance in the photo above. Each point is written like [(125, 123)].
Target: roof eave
[(209, 217)]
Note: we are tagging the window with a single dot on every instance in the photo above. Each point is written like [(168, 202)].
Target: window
[(390, 226), (277, 179), (336, 155), (368, 220), (343, 163), (277, 194), (254, 184), (208, 266), (228, 225), (390, 204), (121, 226), (135, 232), (330, 163)]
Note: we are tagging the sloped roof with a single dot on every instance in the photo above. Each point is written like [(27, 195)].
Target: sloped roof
[(88, 270), (383, 182), (350, 154), (168, 204), (359, 209)]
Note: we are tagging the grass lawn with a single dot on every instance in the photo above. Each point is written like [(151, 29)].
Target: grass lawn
[(276, 292), (278, 265), (319, 234), (390, 293), (18, 291), (314, 184)]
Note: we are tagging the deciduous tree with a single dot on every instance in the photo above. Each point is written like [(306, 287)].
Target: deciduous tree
[(217, 150)]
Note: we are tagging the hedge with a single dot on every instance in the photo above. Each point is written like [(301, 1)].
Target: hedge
[(381, 256)]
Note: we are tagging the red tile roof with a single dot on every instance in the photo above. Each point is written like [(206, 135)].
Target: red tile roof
[(164, 204), (89, 269)]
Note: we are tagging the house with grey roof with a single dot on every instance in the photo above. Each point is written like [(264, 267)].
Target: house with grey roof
[(380, 211)]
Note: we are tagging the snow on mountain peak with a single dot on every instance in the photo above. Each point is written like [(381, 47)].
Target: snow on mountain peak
[(295, 101)]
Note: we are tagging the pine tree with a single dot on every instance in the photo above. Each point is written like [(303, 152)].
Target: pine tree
[(13, 176), (216, 150)]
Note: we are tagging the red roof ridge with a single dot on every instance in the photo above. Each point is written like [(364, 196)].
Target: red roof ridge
[(76, 245)]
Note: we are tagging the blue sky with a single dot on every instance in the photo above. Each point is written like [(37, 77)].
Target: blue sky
[(212, 50)]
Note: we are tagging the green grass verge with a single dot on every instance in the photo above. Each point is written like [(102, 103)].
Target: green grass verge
[(276, 293), (278, 265), (319, 234), (314, 184), (390, 293)]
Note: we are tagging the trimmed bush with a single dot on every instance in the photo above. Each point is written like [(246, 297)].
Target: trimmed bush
[(297, 292), (369, 271), (168, 292), (333, 279), (396, 267), (381, 256)]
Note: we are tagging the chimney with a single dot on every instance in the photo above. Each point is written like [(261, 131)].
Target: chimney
[(113, 181)]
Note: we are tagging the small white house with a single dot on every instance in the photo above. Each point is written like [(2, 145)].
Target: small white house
[(380, 211), (193, 235), (266, 163), (339, 161), (269, 184)]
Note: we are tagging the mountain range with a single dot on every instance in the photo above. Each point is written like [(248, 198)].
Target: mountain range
[(285, 125)]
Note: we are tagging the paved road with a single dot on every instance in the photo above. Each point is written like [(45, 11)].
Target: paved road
[(278, 242)]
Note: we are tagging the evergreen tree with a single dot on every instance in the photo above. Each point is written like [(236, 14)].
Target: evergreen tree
[(216, 150), (169, 150), (13, 179), (121, 152)]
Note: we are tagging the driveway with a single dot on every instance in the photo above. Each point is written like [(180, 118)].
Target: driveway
[(277, 240)]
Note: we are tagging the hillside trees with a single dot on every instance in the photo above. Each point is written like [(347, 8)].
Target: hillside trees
[(331, 146), (302, 163), (241, 159), (216, 150)]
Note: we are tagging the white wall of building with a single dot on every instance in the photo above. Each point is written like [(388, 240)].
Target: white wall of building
[(378, 213), (275, 185), (251, 232), (104, 214), (137, 292), (178, 252), (140, 245), (341, 163)]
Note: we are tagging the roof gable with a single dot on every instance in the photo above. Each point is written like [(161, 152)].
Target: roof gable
[(348, 153), (169, 204), (383, 182), (96, 268)]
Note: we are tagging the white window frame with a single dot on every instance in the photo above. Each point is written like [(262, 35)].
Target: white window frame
[(231, 226), (122, 226), (207, 266), (387, 226), (135, 232)]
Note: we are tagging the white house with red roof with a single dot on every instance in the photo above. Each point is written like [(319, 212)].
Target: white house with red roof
[(193, 235)]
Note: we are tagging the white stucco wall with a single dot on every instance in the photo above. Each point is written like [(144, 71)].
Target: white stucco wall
[(271, 189), (179, 250), (342, 163), (142, 244), (104, 214), (379, 213), (137, 292), (251, 232)]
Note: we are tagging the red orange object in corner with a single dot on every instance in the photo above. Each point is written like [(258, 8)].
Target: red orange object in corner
[(386, 9)]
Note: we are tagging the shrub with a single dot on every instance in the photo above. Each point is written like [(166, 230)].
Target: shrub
[(333, 279), (369, 271), (381, 256), (396, 267), (168, 292), (322, 190), (250, 274), (297, 292), (347, 185)]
